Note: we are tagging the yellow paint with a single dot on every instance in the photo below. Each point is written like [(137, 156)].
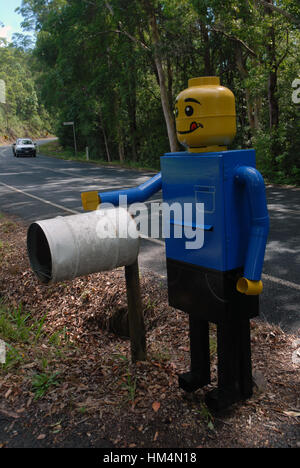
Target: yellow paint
[(248, 287), (90, 200), (207, 149), (205, 115)]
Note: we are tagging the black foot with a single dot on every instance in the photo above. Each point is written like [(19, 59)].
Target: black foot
[(191, 381), (219, 399)]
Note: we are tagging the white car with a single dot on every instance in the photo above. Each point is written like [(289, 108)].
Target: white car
[(24, 147)]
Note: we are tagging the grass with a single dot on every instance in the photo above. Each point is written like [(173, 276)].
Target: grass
[(17, 329), (41, 383), (25, 342), (44, 380), (129, 382), (13, 325), (206, 416), (54, 149), (8, 226)]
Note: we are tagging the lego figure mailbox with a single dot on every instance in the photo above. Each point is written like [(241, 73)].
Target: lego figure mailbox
[(221, 281)]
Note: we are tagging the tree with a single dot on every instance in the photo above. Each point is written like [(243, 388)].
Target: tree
[(115, 67)]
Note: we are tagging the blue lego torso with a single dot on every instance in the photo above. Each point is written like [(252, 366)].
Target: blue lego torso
[(209, 178)]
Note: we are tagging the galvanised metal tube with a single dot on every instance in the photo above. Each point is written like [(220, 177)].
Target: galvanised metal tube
[(63, 248), (254, 183), (134, 195)]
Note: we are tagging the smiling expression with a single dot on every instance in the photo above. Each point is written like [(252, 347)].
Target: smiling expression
[(205, 115), (189, 112)]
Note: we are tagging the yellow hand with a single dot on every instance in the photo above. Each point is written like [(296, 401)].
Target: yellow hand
[(90, 200), (248, 287)]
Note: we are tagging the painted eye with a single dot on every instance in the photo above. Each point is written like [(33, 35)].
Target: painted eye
[(189, 111), (176, 111)]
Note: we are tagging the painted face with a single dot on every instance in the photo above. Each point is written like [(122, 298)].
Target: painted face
[(190, 111), (205, 114)]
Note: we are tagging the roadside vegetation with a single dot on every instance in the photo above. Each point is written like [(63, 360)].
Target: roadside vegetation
[(56, 150), (29, 347), (68, 380), (23, 113), (114, 68)]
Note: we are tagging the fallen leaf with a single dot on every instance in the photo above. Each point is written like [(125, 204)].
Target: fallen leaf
[(156, 406), (29, 402), (8, 393), (155, 437), (21, 410), (292, 413), (29, 366), (10, 414)]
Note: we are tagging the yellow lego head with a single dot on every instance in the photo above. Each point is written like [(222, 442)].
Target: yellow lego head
[(205, 115)]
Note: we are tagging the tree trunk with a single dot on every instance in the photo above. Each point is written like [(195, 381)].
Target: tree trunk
[(273, 69), (208, 69), (118, 124), (253, 122), (273, 100), (104, 135), (131, 109), (168, 114)]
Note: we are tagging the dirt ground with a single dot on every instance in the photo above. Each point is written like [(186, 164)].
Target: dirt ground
[(69, 381)]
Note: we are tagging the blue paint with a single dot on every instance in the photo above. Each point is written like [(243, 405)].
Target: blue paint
[(255, 187), (236, 221), (134, 195)]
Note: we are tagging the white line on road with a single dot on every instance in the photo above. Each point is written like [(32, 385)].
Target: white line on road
[(14, 173), (273, 279), (68, 210), (282, 282)]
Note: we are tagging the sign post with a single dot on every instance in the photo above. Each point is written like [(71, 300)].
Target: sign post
[(75, 146)]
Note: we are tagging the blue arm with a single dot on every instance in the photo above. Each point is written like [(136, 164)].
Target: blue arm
[(254, 184), (134, 195)]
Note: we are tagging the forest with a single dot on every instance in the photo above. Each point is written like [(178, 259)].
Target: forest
[(21, 112), (115, 67)]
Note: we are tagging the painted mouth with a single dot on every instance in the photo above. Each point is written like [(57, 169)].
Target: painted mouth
[(193, 127)]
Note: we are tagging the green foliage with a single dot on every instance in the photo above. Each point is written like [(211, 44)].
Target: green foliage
[(18, 329), (97, 64), (129, 380), (14, 324), (13, 358), (41, 383), (206, 416), (23, 113)]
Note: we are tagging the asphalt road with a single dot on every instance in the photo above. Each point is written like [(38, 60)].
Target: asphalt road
[(44, 187)]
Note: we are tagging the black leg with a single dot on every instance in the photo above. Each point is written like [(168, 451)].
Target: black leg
[(246, 383), (199, 374), (234, 365)]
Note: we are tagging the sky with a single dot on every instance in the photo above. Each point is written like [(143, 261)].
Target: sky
[(10, 19)]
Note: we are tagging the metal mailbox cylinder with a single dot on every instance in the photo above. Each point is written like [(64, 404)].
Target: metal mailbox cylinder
[(64, 248)]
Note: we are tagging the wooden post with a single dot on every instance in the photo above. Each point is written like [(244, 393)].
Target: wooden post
[(135, 313)]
